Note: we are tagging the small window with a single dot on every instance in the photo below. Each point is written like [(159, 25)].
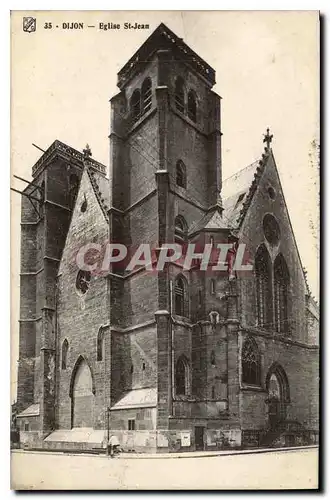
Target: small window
[(143, 366), (192, 107), (131, 424), (180, 297), (212, 286), (211, 240), (136, 105), (26, 426), (83, 206), (146, 95), (132, 368), (179, 94), (271, 193), (181, 174), (100, 345), (213, 392), (182, 376), (213, 358), (65, 348)]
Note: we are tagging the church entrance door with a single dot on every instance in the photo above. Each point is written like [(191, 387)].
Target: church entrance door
[(199, 438), (82, 397), (278, 395)]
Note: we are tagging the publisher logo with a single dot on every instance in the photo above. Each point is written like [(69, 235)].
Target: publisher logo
[(29, 24)]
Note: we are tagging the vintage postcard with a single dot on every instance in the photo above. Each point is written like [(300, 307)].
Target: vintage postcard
[(165, 250)]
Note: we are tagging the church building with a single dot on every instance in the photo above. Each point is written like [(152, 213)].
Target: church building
[(170, 359)]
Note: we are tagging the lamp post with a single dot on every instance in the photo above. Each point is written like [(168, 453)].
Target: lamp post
[(108, 430)]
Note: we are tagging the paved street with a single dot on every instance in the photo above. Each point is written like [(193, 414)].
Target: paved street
[(282, 469)]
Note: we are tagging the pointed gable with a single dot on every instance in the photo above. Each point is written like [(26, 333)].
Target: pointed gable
[(89, 221)]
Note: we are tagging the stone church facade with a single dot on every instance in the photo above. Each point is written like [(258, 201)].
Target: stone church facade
[(175, 359)]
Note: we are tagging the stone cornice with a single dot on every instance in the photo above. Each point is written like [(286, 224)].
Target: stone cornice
[(67, 152), (277, 337)]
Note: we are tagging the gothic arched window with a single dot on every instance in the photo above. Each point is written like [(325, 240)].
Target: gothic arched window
[(180, 296), (146, 92), (263, 288), (192, 106), (136, 105), (180, 230), (281, 292), (65, 348), (181, 174), (179, 94), (182, 376), (250, 362)]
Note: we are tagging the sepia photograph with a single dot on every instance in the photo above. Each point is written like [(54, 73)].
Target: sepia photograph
[(165, 220)]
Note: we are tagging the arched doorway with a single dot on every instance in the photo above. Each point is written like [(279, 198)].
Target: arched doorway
[(82, 395), (278, 395)]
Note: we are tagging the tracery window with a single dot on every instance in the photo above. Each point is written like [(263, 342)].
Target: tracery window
[(250, 362), (281, 292), (263, 288), (83, 281)]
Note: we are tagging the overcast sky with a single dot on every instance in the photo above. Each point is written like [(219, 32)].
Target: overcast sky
[(267, 73)]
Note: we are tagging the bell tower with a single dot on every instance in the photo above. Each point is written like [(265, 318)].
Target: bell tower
[(165, 174), (165, 136)]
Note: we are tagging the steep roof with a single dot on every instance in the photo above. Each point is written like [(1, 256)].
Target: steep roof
[(137, 398), (238, 189), (211, 221), (31, 411)]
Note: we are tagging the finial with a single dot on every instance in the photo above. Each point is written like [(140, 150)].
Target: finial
[(268, 138), (87, 151)]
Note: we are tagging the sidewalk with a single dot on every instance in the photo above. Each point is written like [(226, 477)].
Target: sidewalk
[(188, 454)]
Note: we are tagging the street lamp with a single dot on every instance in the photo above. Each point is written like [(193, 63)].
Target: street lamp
[(108, 429)]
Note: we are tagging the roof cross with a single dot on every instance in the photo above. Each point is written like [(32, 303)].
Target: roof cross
[(87, 151), (268, 138)]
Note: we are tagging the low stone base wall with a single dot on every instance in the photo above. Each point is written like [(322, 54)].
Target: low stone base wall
[(31, 439)]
